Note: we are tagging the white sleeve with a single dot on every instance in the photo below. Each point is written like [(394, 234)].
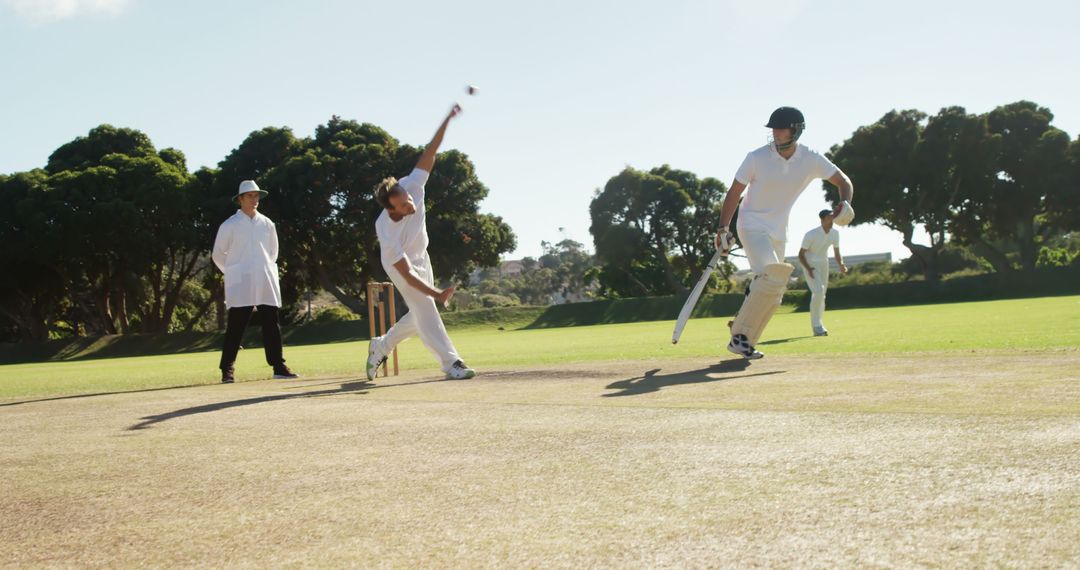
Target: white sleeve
[(825, 166), (273, 249), (745, 173), (222, 242), (414, 183), (807, 240)]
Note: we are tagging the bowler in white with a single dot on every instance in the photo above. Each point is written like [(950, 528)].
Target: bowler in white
[(403, 242), (814, 257)]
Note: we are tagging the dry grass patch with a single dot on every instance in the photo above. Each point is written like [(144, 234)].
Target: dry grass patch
[(954, 460)]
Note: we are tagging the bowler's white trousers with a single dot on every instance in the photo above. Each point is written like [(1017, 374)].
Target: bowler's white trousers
[(423, 318)]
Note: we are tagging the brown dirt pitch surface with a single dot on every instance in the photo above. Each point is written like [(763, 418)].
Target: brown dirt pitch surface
[(959, 459)]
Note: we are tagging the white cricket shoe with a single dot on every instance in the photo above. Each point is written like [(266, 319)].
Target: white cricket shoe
[(741, 345), (375, 358), (820, 331), (458, 371)]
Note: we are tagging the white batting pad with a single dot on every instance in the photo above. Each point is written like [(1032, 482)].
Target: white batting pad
[(766, 292)]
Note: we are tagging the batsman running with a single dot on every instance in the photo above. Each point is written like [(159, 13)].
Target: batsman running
[(403, 241), (773, 177)]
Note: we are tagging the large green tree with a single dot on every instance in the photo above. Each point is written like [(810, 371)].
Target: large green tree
[(653, 230), (322, 200), (883, 160), (954, 166), (1064, 207), (126, 227), (114, 235), (1033, 174), (32, 289)]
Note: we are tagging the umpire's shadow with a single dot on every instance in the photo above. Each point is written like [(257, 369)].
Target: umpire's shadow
[(653, 381), (218, 406), (359, 387)]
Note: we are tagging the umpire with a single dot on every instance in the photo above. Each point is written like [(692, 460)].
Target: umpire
[(246, 251)]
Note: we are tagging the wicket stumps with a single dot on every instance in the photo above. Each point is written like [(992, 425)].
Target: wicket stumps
[(375, 303)]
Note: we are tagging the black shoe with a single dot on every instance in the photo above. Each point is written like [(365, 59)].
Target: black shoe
[(227, 376), (282, 372)]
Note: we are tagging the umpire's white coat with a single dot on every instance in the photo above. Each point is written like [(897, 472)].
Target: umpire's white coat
[(246, 251)]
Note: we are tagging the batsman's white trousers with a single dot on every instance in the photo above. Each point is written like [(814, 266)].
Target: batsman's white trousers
[(817, 284), (422, 319), (761, 249)]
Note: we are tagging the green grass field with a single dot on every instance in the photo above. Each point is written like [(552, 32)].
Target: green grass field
[(1022, 324)]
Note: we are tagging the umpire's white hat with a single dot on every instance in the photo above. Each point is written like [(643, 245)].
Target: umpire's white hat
[(249, 186)]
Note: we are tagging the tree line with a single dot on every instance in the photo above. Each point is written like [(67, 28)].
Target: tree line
[(1004, 185), (113, 235)]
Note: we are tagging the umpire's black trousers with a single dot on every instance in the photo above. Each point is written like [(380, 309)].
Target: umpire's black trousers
[(234, 333)]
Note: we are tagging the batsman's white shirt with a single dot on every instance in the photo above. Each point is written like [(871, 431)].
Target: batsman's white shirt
[(773, 183), (408, 236), (246, 251), (817, 242)]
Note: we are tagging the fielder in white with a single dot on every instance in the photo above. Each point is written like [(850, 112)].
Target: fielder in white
[(403, 241), (814, 257), (773, 177)]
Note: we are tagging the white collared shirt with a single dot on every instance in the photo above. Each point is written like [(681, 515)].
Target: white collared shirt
[(246, 251), (773, 184), (406, 238), (816, 242)]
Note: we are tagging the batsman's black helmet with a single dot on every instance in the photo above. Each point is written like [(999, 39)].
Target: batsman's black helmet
[(787, 118)]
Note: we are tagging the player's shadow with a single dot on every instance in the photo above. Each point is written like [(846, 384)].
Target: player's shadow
[(653, 381), (359, 387), (95, 395), (783, 340)]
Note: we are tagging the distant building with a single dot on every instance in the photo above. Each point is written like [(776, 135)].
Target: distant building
[(743, 275), (566, 296), (511, 268), (515, 267)]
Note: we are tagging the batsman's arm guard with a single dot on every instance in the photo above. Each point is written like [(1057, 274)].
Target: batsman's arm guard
[(766, 292)]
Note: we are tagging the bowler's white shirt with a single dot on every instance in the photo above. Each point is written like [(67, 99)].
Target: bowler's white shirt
[(407, 237), (816, 243), (774, 183), (246, 251)]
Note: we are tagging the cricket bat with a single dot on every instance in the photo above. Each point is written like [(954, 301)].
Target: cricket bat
[(692, 300)]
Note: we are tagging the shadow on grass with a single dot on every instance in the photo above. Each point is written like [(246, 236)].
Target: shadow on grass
[(357, 387), (96, 394), (652, 381), (783, 340)]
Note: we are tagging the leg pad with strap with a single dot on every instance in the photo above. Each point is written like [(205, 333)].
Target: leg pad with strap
[(766, 292)]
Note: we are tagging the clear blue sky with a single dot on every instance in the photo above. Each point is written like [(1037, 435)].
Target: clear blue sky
[(570, 91)]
